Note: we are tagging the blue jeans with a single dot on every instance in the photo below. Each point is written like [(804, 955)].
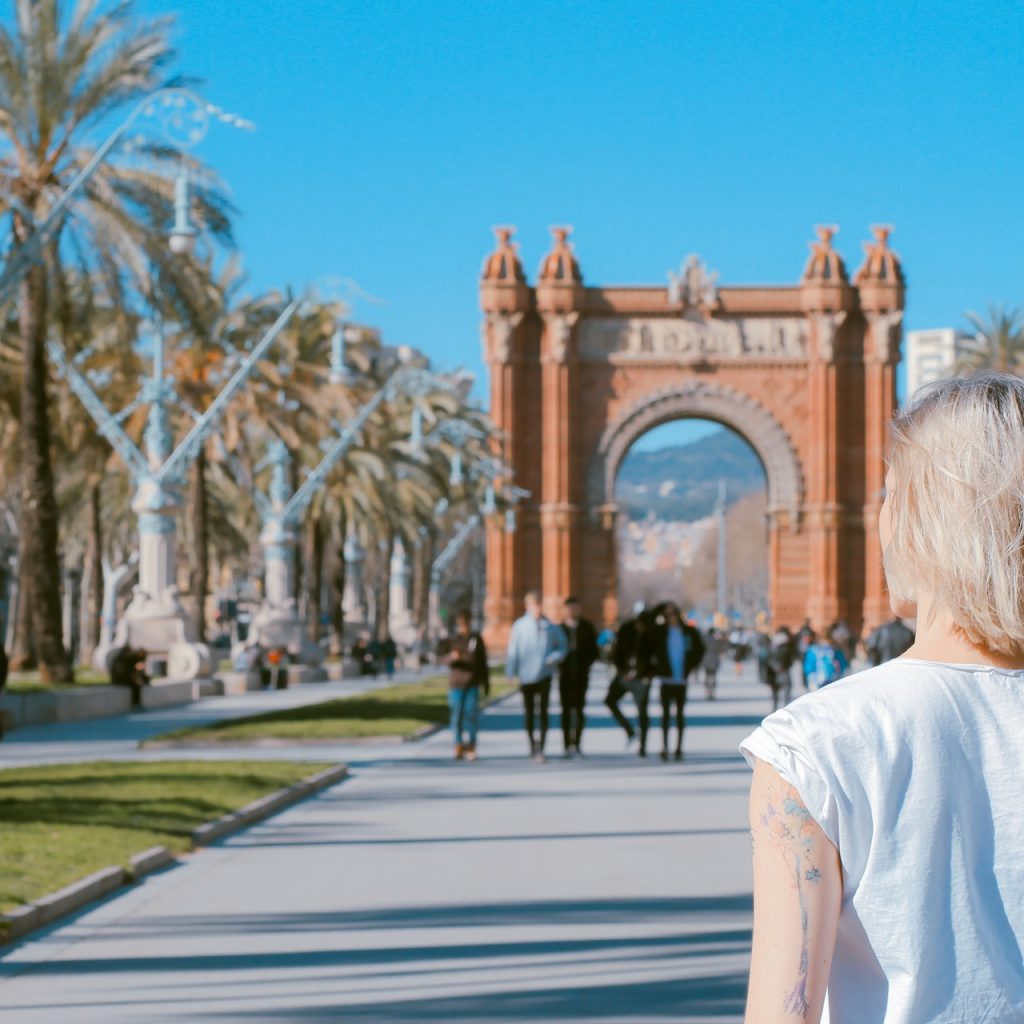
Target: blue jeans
[(465, 709)]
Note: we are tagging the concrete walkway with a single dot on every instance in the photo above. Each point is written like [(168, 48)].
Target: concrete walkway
[(603, 889)]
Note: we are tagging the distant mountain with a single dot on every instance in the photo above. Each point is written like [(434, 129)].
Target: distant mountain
[(681, 482)]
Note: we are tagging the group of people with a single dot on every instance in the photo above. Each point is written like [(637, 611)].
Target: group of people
[(656, 647), (375, 656)]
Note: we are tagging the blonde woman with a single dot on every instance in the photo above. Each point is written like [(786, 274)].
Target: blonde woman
[(887, 810)]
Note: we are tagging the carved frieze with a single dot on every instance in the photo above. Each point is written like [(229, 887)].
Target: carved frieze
[(624, 339), (496, 332), (828, 332), (559, 329), (883, 342)]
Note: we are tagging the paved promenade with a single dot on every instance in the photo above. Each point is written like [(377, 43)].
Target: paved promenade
[(603, 889)]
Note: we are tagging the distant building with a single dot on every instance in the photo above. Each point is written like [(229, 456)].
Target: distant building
[(931, 355)]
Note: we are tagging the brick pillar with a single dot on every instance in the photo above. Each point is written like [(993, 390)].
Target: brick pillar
[(823, 511), (506, 299), (881, 354), (559, 510)]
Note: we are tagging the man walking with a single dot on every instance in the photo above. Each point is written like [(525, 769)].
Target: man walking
[(574, 673), (536, 648), (631, 657), (469, 676), (889, 641), (677, 648)]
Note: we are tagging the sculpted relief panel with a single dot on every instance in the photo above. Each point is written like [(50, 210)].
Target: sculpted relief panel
[(621, 339)]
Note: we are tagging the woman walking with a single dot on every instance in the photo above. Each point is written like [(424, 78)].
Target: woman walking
[(886, 808), (677, 649)]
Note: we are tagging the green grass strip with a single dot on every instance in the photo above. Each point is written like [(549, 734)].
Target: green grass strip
[(60, 823), (393, 711)]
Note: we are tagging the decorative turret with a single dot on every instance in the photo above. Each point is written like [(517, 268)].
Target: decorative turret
[(560, 285), (560, 266), (880, 279), (824, 287), (825, 263), (503, 264), (503, 287)]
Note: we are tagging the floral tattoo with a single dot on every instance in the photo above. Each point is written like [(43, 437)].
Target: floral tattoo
[(789, 827)]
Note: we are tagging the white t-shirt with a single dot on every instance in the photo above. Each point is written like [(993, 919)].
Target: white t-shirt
[(915, 771)]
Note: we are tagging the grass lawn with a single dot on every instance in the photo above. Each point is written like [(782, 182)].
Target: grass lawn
[(27, 682), (60, 823), (393, 711)]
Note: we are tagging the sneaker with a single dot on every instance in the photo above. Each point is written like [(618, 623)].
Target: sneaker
[(679, 755), (577, 751), (538, 758), (642, 752), (568, 754), (460, 751), (471, 754), (664, 755), (630, 740)]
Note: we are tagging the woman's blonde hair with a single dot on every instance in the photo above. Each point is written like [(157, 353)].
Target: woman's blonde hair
[(957, 456)]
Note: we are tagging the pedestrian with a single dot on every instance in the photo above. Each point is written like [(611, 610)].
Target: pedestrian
[(824, 663), (886, 809), (714, 645), (362, 657), (775, 657), (469, 678), (374, 656), (128, 668), (574, 674), (388, 654), (805, 636), (277, 662), (676, 650), (536, 648), (631, 657), (889, 641)]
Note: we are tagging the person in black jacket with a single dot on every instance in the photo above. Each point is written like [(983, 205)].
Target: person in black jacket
[(889, 641), (677, 649), (631, 657), (574, 673)]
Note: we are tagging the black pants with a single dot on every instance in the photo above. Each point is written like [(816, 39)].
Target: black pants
[(536, 699), (573, 695), (641, 690), (673, 698)]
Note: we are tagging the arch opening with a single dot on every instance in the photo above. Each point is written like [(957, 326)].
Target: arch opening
[(683, 488)]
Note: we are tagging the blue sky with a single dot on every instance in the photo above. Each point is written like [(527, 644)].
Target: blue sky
[(391, 136)]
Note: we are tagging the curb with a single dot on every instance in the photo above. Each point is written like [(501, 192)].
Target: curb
[(426, 731), (31, 916), (265, 743)]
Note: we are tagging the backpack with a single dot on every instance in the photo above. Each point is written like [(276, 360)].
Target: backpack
[(827, 668)]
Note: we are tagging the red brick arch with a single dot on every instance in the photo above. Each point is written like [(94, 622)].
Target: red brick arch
[(806, 373), (698, 399)]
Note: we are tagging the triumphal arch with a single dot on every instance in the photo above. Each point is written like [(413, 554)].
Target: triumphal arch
[(806, 373)]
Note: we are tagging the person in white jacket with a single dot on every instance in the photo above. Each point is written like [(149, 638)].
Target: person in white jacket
[(536, 648)]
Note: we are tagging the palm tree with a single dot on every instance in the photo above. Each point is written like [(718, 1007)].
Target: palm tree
[(997, 344), (61, 74)]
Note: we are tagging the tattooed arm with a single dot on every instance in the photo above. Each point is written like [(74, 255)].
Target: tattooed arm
[(797, 894)]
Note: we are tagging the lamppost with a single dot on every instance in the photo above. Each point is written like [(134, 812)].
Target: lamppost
[(184, 119), (278, 623), (155, 620), (491, 469)]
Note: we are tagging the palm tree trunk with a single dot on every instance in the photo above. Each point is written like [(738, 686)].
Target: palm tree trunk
[(39, 520), (94, 602), (316, 575), (384, 591), (200, 583), (300, 560), (338, 585)]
